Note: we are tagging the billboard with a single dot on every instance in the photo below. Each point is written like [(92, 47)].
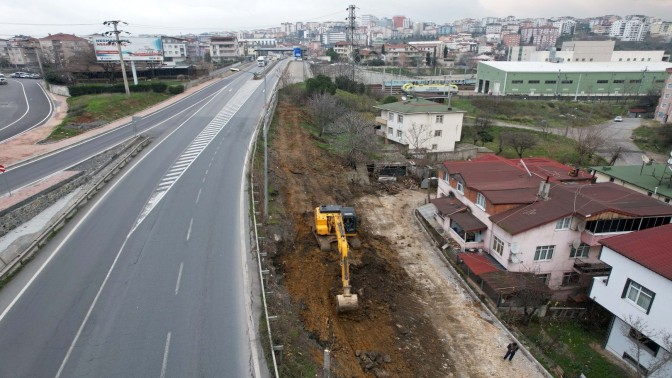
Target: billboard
[(297, 52), (138, 49)]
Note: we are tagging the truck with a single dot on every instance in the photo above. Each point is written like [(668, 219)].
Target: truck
[(261, 61)]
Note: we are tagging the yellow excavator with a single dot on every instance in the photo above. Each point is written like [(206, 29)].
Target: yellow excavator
[(328, 221)]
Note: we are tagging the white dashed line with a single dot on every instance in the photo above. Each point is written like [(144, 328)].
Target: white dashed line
[(165, 356), (179, 278), (191, 223), (198, 197)]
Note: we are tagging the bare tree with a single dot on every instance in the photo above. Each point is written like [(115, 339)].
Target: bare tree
[(531, 294), (519, 141), (417, 135), (324, 109), (588, 141), (642, 337), (355, 138)]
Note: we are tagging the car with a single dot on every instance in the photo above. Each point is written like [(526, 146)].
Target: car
[(3, 81), (234, 69), (618, 119), (25, 75), (18, 74), (35, 76)]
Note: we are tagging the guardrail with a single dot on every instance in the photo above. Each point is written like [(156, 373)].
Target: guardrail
[(41, 240)]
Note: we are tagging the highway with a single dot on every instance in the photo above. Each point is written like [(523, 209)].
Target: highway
[(152, 278), (24, 105)]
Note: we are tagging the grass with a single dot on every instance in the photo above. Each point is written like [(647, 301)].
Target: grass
[(103, 107), (569, 345), (647, 137)]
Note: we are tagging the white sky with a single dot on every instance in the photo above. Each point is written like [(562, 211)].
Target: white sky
[(40, 17)]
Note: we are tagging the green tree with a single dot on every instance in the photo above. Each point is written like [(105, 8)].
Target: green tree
[(382, 49), (389, 99), (320, 84), (332, 54)]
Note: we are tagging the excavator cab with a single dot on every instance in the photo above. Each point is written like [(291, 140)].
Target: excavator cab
[(325, 231)]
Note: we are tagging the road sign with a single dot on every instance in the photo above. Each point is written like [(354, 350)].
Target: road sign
[(2, 168)]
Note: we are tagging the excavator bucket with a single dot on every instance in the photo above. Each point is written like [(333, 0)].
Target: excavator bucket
[(347, 303)]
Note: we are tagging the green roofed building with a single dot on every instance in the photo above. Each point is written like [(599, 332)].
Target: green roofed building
[(574, 80), (651, 178), (421, 125)]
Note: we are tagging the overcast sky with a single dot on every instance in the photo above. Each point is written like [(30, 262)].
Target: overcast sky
[(41, 17)]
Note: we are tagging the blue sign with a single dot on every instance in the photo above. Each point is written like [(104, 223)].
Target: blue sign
[(297, 52)]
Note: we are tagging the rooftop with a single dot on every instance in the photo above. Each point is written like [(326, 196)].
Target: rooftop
[(417, 105), (650, 248), (647, 177), (578, 67)]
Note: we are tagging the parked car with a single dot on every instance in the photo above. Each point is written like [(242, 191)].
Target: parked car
[(18, 74), (618, 119), (35, 76), (3, 81)]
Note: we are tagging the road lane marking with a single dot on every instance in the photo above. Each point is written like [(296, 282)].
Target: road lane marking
[(23, 88), (165, 356), (206, 171), (204, 180), (51, 111), (191, 223), (198, 197), (179, 278)]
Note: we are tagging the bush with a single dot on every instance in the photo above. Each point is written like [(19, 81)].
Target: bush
[(176, 89), (89, 89), (389, 99), (159, 87)]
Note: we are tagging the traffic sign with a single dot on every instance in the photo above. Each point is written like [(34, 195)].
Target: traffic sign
[(2, 168)]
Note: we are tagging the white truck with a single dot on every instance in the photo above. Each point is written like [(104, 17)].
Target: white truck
[(261, 61)]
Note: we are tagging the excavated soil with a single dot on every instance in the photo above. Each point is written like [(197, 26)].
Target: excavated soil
[(415, 319)]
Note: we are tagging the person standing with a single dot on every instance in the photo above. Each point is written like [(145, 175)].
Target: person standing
[(511, 350)]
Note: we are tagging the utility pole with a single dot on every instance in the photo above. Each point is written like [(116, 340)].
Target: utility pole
[(121, 57), (351, 35)]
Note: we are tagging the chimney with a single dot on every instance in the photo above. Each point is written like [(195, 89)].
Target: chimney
[(544, 189)]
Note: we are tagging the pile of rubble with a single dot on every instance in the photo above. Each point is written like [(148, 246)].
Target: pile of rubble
[(373, 361), (394, 185)]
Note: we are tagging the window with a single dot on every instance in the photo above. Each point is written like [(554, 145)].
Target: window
[(638, 295), (460, 187), (439, 119), (480, 201), (619, 81), (637, 81), (498, 245), (549, 82), (667, 95), (399, 134), (591, 59), (633, 361), (516, 82), (543, 277), (533, 82), (544, 253), (390, 130), (580, 252), (570, 278), (647, 343), (602, 81), (390, 116), (435, 146), (437, 133), (400, 118), (563, 224), (567, 81), (669, 86), (620, 59)]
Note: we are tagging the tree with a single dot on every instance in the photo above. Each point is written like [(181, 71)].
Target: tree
[(445, 52), (389, 99), (324, 109), (588, 141), (428, 59), (332, 54), (643, 338), (320, 84), (417, 135), (355, 138), (519, 141), (382, 49)]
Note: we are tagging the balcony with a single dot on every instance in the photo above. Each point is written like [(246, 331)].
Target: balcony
[(381, 121), (593, 268)]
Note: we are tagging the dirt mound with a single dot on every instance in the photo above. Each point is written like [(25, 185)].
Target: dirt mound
[(389, 335)]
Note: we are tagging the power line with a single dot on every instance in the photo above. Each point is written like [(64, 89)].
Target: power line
[(29, 24)]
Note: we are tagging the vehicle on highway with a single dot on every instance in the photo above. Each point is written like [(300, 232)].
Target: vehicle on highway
[(19, 74), (618, 119)]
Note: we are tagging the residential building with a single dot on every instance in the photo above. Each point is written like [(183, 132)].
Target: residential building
[(633, 29), (565, 26), (22, 51), (520, 53), (541, 36), (60, 49), (652, 178), (174, 49), (511, 40), (583, 79), (222, 48), (539, 216), (398, 22), (421, 125), (638, 293), (664, 108), (331, 38), (662, 29)]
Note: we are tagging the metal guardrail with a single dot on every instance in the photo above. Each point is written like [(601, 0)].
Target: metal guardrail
[(41, 240)]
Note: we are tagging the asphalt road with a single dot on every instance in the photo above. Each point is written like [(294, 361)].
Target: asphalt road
[(23, 105), (152, 278)]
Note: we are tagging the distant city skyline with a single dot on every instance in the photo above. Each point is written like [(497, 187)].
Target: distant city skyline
[(39, 18)]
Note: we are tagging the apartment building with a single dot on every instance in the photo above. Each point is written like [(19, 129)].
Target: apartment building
[(541, 36), (60, 49), (633, 29), (638, 293), (664, 108), (222, 48)]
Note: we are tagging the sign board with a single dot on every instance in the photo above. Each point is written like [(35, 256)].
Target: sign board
[(297, 52), (2, 168), (138, 49)]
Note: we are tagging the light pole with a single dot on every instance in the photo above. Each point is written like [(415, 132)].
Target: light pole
[(121, 57)]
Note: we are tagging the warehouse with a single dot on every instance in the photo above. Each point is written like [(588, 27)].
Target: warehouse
[(576, 80)]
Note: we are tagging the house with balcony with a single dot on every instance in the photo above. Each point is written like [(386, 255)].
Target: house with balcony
[(539, 216), (420, 125), (222, 48), (638, 293)]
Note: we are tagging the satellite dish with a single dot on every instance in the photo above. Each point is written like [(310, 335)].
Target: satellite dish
[(514, 259), (403, 98), (576, 243), (645, 159), (515, 248), (581, 226)]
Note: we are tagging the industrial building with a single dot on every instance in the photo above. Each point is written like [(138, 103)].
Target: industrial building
[(577, 80)]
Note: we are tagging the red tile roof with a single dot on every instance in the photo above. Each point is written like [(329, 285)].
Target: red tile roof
[(651, 248), (62, 37), (457, 211), (478, 264)]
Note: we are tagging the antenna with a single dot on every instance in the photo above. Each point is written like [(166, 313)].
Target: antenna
[(581, 226), (576, 243), (515, 248)]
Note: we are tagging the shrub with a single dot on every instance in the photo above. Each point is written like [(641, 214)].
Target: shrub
[(389, 99), (159, 87), (176, 89)]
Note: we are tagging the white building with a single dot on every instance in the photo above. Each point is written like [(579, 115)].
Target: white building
[(421, 125), (633, 29), (638, 292)]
